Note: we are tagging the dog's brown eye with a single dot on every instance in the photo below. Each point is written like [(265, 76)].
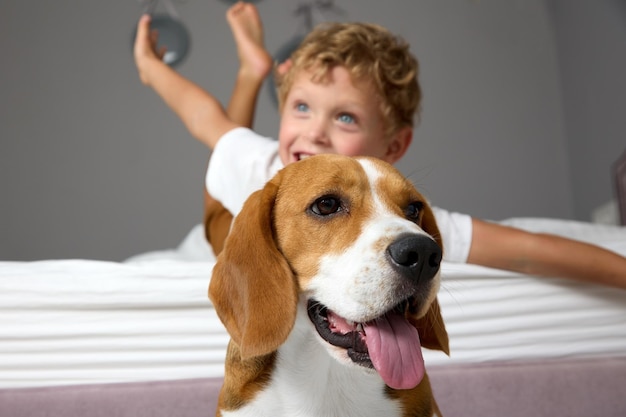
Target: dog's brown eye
[(326, 205), (413, 210)]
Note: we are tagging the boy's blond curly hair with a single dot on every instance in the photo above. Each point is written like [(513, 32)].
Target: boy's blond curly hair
[(371, 54)]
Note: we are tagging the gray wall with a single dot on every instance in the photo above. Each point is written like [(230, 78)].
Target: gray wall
[(591, 36), (93, 165)]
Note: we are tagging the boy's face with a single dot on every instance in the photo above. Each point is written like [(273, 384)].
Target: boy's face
[(335, 116)]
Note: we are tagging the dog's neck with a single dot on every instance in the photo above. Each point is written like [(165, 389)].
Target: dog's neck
[(333, 389)]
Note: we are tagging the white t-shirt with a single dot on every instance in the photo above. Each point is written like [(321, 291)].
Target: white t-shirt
[(243, 161)]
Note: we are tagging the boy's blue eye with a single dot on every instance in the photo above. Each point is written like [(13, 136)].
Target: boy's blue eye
[(346, 118), (301, 107)]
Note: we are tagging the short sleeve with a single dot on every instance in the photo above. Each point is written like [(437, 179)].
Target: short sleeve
[(456, 233), (241, 163)]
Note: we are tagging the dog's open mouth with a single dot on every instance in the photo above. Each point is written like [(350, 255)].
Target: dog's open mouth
[(389, 343)]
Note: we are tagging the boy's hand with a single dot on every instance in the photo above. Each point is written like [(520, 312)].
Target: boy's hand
[(145, 48)]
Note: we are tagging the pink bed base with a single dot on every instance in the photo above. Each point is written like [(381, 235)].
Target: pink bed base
[(572, 388)]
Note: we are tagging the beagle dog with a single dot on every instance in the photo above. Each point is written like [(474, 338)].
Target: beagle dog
[(327, 286)]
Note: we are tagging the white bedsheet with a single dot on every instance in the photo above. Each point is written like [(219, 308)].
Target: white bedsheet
[(68, 322)]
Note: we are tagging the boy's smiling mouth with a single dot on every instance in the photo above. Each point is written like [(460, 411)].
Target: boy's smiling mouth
[(301, 155)]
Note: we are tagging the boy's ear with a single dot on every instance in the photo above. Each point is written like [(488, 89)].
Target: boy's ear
[(399, 144)]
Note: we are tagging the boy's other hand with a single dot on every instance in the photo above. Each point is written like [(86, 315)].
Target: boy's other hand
[(145, 48)]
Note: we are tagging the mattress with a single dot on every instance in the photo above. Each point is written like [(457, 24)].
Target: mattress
[(72, 322)]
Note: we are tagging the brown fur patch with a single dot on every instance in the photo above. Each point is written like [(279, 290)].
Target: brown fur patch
[(417, 402), (303, 237), (244, 379)]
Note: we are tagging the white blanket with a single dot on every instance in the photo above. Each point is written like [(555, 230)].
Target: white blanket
[(79, 321)]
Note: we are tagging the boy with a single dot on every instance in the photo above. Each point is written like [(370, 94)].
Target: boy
[(349, 89)]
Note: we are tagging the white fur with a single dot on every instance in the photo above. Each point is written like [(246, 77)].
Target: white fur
[(307, 382)]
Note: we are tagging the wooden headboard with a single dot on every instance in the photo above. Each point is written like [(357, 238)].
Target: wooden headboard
[(619, 174)]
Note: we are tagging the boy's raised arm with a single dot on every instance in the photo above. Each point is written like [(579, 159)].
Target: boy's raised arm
[(202, 114)]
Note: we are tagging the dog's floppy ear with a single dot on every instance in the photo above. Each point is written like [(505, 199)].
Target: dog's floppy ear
[(252, 287), (431, 329)]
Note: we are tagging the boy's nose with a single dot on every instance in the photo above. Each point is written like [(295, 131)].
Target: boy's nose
[(317, 131)]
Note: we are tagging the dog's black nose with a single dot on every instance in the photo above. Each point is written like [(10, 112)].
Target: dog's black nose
[(415, 256)]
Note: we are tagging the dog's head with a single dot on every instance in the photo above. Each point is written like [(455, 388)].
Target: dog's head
[(353, 239)]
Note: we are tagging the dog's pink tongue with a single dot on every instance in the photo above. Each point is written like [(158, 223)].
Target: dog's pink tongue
[(394, 348)]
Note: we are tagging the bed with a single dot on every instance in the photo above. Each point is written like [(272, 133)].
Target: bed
[(140, 337)]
